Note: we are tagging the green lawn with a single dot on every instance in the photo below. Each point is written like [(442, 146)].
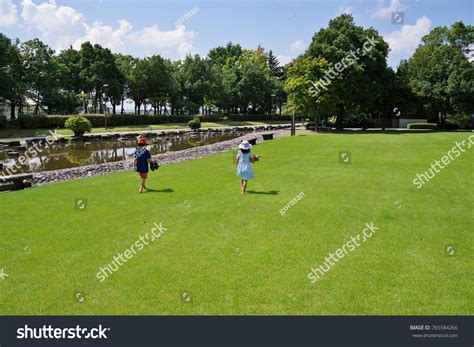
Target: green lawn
[(236, 254), (21, 134)]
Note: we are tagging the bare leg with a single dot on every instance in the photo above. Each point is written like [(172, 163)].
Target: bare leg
[(245, 186), (142, 185), (242, 186)]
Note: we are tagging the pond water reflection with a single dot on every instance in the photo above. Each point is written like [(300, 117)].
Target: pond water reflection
[(80, 153)]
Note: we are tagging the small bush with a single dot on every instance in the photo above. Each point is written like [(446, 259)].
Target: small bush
[(422, 126), (78, 124), (451, 126), (195, 123), (3, 121)]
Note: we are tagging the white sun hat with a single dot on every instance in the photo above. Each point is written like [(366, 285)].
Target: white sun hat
[(245, 145)]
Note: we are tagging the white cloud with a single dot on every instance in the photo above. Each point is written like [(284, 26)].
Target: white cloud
[(284, 59), (186, 48), (297, 46), (384, 12), (152, 37), (106, 36), (7, 13), (406, 40), (344, 8), (62, 26)]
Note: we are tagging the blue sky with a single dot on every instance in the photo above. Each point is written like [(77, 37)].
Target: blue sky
[(146, 27)]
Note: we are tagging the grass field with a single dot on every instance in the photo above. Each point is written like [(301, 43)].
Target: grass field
[(224, 253)]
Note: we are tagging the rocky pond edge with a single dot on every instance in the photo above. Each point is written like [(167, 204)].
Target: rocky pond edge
[(43, 177)]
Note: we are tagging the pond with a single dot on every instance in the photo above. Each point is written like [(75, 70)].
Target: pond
[(97, 150)]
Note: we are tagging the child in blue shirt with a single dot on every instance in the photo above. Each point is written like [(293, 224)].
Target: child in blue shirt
[(142, 159)]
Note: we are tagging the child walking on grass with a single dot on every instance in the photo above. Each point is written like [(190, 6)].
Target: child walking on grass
[(243, 164), (142, 159)]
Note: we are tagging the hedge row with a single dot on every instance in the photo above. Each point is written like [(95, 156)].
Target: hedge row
[(263, 117), (422, 126), (97, 120)]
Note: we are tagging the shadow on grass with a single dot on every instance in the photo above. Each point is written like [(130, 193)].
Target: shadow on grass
[(165, 190), (270, 192)]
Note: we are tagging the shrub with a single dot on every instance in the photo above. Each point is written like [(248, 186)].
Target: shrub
[(211, 117), (194, 123), (263, 117), (422, 126), (451, 126), (78, 124), (3, 121)]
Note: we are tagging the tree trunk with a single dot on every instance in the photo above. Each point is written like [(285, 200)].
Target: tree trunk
[(12, 110), (340, 118), (36, 110), (339, 121), (113, 108)]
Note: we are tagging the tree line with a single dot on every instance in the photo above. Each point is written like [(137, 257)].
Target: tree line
[(435, 82), (230, 79)]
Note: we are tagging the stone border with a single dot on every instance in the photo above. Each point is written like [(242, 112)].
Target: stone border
[(43, 177)]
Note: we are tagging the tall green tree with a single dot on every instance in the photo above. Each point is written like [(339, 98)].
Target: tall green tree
[(158, 82), (9, 69), (357, 59), (302, 72), (195, 79), (137, 88), (39, 70), (441, 73)]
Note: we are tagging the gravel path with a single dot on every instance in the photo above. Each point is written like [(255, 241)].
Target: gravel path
[(44, 177)]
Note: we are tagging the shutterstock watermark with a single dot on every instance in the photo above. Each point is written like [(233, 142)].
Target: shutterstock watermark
[(350, 246), (398, 17), (34, 149), (292, 202), (339, 67), (49, 332), (194, 11), (436, 167), (121, 258)]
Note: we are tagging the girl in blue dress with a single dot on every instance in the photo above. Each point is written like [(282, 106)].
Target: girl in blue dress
[(243, 164)]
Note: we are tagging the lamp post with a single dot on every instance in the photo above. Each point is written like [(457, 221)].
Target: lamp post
[(271, 103), (293, 124), (105, 104)]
